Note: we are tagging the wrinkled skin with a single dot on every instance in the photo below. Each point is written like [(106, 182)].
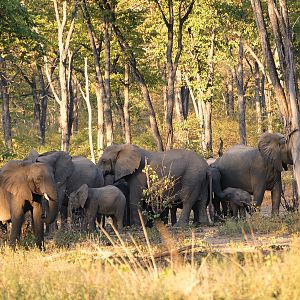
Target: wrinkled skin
[(239, 201), (188, 168), (108, 201), (69, 173), (256, 170), (22, 185)]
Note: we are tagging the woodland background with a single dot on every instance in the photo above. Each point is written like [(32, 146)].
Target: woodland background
[(160, 74)]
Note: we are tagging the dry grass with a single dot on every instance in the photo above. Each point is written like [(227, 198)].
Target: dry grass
[(152, 265)]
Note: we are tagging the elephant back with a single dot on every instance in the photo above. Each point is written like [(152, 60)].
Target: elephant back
[(85, 172)]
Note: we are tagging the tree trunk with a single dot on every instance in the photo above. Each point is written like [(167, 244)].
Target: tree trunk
[(268, 94), (126, 106), (44, 104), (36, 102), (241, 93), (230, 94), (120, 111), (208, 128), (141, 81), (263, 102), (99, 88), (86, 97), (257, 99), (107, 99), (75, 109), (178, 98), (6, 119)]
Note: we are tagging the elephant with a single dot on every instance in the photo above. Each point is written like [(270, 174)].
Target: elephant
[(122, 185), (185, 166), (239, 201), (107, 200), (22, 186), (69, 173), (256, 170)]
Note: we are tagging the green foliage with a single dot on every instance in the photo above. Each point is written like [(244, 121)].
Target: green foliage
[(159, 193)]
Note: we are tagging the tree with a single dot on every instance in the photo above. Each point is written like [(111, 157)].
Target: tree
[(287, 96), (65, 69), (184, 9)]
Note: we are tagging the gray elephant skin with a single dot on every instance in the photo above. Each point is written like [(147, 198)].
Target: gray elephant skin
[(69, 174), (22, 185), (107, 201), (256, 170), (214, 177), (189, 169), (239, 201)]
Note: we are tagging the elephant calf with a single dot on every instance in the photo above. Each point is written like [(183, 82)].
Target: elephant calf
[(239, 201), (108, 201)]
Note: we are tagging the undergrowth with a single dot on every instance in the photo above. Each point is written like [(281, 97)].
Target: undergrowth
[(290, 223)]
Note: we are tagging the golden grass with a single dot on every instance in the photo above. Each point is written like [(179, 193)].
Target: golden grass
[(135, 270)]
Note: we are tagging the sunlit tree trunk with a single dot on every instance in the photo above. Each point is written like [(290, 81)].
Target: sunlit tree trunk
[(6, 119), (126, 105), (258, 99)]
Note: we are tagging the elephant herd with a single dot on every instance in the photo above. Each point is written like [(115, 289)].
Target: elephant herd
[(55, 182)]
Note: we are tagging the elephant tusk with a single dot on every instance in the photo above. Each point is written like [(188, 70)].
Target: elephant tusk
[(46, 197)]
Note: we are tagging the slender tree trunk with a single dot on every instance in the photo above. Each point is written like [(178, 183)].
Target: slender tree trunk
[(107, 99), (263, 102), (86, 96), (6, 119), (76, 108), (208, 128), (258, 99), (178, 98), (71, 95), (120, 110), (44, 104), (36, 102), (230, 94), (126, 105), (241, 93), (99, 88), (141, 81), (268, 94)]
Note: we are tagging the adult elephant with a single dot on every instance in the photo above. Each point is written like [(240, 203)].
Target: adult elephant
[(186, 167), (22, 186), (69, 173), (256, 170)]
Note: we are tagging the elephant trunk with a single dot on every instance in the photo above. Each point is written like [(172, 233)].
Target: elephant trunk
[(52, 207), (218, 190)]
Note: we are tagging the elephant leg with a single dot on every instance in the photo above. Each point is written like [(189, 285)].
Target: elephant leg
[(38, 225), (243, 213), (196, 211), (276, 198), (17, 218), (173, 215), (164, 216), (234, 209), (258, 195), (216, 203), (135, 196), (91, 222)]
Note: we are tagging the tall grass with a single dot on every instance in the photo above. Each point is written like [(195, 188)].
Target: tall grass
[(133, 271)]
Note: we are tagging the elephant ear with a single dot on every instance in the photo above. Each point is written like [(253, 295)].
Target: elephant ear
[(269, 147), (82, 194), (14, 179), (61, 162), (127, 161)]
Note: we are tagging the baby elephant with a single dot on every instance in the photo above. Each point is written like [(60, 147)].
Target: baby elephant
[(239, 201), (108, 201)]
